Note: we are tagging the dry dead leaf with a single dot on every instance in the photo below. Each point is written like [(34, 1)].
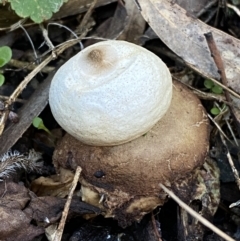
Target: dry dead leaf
[(73, 7), (55, 186), (192, 6), (14, 222), (184, 35), (24, 215), (31, 109), (135, 24)]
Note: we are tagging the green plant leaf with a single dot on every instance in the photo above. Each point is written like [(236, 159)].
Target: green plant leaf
[(2, 79), (38, 123), (235, 2), (208, 83), (5, 55), (37, 10), (215, 111), (217, 89)]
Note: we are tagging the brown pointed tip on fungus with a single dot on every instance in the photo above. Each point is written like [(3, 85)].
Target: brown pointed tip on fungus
[(123, 180)]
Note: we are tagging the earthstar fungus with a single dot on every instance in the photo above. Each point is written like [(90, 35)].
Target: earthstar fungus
[(123, 179)]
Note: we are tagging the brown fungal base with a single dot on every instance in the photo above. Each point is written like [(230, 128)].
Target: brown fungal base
[(122, 206), (125, 178)]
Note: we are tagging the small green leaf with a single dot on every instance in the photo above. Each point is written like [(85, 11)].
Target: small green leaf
[(5, 55), (2, 79), (216, 89), (208, 83), (37, 10), (38, 123), (235, 2), (215, 111)]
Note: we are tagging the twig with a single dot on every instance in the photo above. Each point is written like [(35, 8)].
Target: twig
[(225, 114), (59, 231), (29, 77), (17, 24), (29, 66), (218, 127), (82, 38), (4, 118), (33, 107), (234, 204), (218, 60), (65, 27), (3, 97), (213, 80), (219, 63), (231, 131), (29, 39), (53, 56), (47, 40), (155, 228), (204, 95), (196, 215), (234, 8), (87, 15), (205, 8), (234, 170)]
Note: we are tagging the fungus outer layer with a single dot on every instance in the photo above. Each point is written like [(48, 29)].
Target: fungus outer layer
[(170, 151), (110, 93)]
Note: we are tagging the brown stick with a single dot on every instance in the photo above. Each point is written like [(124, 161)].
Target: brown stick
[(194, 214), (218, 61), (88, 14), (61, 225), (229, 157), (3, 97), (29, 77), (155, 228)]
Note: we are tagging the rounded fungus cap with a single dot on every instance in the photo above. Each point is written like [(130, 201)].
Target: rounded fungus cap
[(110, 93), (125, 178)]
